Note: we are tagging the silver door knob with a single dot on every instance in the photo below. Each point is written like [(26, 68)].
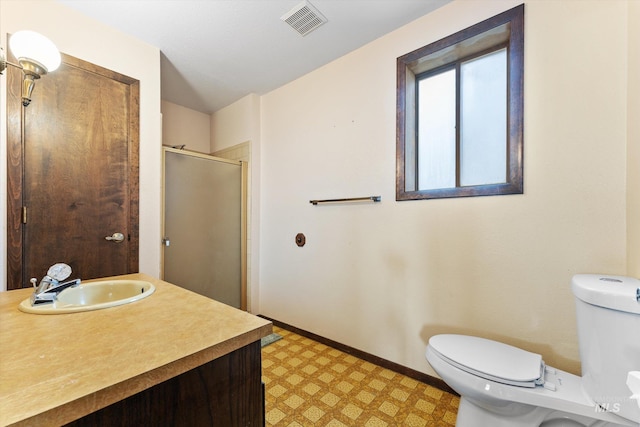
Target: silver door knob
[(115, 237)]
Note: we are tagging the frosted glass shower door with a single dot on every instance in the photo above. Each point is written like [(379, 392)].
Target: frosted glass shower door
[(203, 225)]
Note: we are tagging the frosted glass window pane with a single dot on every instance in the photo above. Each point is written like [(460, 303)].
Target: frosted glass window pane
[(483, 130), (437, 131)]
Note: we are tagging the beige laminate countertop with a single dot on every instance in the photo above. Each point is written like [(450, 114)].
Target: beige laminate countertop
[(57, 368)]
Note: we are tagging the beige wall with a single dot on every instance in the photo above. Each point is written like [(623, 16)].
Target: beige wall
[(236, 123), (633, 148), (385, 277), (82, 37), (181, 125)]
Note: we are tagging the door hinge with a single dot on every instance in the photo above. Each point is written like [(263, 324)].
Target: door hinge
[(24, 214)]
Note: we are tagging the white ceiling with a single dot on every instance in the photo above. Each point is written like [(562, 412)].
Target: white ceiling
[(214, 52)]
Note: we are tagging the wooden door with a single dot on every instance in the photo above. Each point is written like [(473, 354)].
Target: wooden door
[(72, 173)]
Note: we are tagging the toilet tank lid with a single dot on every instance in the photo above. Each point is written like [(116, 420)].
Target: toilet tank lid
[(492, 358), (614, 292)]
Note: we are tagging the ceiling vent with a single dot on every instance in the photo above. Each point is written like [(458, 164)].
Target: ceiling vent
[(304, 18)]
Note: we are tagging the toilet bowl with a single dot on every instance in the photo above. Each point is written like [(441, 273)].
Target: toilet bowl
[(505, 386), (495, 392)]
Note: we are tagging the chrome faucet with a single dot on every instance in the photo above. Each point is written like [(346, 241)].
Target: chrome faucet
[(49, 288)]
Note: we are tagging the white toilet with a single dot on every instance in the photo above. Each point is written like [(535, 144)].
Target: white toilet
[(504, 386)]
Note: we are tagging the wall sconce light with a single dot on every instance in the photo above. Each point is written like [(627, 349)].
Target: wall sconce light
[(37, 56)]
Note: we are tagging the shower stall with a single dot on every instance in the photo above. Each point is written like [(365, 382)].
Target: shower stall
[(204, 220)]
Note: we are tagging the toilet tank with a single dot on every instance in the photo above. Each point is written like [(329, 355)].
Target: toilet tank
[(608, 316)]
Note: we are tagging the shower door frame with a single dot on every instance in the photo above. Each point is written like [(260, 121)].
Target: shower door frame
[(243, 213)]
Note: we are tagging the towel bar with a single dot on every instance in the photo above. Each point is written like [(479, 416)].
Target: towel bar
[(351, 199)]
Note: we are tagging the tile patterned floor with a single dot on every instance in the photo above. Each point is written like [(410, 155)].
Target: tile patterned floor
[(310, 384)]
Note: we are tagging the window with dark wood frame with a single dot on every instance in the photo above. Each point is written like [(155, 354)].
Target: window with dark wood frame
[(504, 31)]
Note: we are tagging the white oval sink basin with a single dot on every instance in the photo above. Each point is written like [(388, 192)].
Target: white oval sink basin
[(93, 296)]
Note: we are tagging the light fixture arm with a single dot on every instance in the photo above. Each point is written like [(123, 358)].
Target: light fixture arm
[(4, 62), (31, 71), (29, 45)]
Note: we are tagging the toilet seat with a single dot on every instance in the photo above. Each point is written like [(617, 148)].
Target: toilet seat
[(490, 360)]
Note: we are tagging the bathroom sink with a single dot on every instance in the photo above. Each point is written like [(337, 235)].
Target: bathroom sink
[(93, 296)]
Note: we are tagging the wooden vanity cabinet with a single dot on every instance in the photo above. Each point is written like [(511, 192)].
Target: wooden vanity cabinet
[(226, 392)]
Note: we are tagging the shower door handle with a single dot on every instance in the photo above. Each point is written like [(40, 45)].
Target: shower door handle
[(115, 237)]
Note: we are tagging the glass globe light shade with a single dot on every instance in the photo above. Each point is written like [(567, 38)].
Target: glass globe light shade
[(35, 46)]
